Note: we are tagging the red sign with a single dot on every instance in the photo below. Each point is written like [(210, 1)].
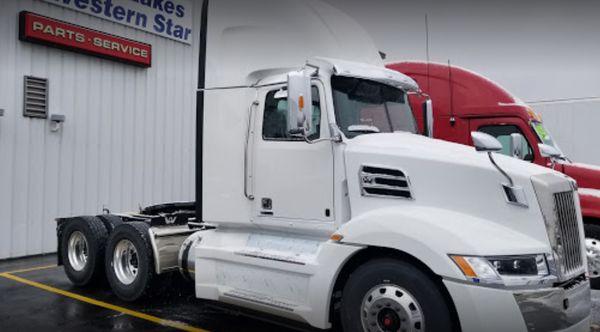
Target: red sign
[(48, 31)]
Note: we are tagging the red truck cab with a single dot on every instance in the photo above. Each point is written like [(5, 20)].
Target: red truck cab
[(465, 101)]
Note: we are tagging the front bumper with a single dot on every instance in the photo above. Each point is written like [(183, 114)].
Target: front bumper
[(550, 309)]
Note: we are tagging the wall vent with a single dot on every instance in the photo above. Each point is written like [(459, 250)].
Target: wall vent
[(35, 101)]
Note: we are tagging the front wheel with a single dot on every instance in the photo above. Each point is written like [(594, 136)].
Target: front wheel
[(592, 246), (391, 295)]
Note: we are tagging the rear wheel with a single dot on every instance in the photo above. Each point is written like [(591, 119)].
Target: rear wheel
[(82, 248), (110, 221), (592, 246), (129, 261), (391, 295)]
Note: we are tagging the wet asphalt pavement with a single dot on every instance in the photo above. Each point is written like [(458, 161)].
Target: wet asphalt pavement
[(30, 308)]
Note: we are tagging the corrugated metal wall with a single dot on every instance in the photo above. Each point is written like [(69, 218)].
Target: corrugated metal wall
[(128, 139), (575, 126)]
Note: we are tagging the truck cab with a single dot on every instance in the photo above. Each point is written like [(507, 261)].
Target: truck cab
[(466, 101)]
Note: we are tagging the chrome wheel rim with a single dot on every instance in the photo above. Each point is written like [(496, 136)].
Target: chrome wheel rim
[(125, 262), (592, 247), (77, 251), (387, 308)]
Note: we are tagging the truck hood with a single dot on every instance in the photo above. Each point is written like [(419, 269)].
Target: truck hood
[(450, 177), (423, 148), (587, 176)]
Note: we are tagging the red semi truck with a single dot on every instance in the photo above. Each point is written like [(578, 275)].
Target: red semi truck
[(465, 101)]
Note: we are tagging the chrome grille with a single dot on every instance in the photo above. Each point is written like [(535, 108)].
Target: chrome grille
[(568, 240), (384, 182)]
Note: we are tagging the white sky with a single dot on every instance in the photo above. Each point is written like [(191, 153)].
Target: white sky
[(538, 50)]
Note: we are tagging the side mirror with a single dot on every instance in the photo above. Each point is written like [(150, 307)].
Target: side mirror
[(548, 151), (428, 118), (299, 98), (516, 146), (485, 143)]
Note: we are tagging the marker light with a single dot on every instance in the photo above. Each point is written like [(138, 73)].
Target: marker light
[(300, 103), (464, 266), (336, 237)]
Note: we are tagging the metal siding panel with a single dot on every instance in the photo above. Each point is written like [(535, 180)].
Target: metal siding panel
[(7, 122), (128, 138), (573, 127)]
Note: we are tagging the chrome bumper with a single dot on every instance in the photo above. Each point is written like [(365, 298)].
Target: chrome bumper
[(554, 309)]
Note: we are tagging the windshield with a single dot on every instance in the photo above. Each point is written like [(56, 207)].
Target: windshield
[(364, 107), (544, 135)]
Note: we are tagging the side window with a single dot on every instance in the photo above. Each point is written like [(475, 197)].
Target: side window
[(502, 133), (275, 122)]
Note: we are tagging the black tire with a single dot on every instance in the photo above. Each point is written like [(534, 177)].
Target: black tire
[(593, 231), (95, 236), (110, 221), (435, 312), (145, 278)]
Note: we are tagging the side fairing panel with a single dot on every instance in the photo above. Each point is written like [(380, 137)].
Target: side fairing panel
[(225, 128), (275, 272)]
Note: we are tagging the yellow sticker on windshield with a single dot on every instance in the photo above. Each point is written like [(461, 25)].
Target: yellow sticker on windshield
[(541, 131)]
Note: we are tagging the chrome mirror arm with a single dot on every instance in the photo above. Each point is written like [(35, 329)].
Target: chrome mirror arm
[(510, 180)]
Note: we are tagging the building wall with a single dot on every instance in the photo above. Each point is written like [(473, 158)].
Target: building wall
[(128, 139), (574, 125)]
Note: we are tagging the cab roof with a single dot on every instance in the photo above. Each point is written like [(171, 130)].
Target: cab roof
[(462, 92)]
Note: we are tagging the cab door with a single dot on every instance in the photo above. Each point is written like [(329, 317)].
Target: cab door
[(293, 180), (502, 127)]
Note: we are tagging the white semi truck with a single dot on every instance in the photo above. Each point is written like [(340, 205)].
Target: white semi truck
[(318, 202)]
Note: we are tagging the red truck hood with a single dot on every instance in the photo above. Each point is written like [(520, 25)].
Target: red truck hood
[(588, 180), (587, 176)]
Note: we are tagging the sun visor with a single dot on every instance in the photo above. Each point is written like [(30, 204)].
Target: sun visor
[(367, 71)]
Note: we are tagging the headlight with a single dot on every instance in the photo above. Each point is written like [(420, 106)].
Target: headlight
[(510, 271)]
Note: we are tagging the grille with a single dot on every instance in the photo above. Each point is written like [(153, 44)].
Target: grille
[(568, 240), (386, 182), (35, 103)]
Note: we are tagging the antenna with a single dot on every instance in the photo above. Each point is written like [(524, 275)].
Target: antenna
[(451, 86), (427, 51)]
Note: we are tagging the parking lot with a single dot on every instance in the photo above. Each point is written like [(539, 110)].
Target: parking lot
[(36, 295)]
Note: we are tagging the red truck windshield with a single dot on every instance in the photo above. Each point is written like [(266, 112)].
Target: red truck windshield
[(372, 106), (544, 135)]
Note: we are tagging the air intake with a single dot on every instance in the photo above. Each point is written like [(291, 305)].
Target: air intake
[(384, 182), (35, 102), (569, 245)]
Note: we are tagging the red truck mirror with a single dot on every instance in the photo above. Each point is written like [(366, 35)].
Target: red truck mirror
[(517, 146), (428, 118)]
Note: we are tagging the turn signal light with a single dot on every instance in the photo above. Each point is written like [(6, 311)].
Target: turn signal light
[(464, 266), (336, 237)]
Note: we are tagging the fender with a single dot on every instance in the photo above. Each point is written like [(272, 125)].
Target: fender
[(590, 202), (430, 234)]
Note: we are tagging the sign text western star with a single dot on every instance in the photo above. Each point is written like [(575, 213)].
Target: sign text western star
[(48, 31), (168, 18)]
